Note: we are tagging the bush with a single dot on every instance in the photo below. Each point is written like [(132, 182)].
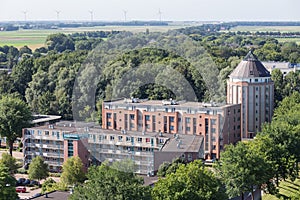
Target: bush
[(21, 171), (55, 174)]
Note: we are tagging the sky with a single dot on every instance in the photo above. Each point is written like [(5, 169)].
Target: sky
[(171, 10)]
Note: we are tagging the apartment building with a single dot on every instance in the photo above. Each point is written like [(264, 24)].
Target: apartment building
[(218, 124), (55, 143), (147, 150)]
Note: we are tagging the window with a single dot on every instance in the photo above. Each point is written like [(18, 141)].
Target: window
[(188, 129), (108, 124), (112, 138), (187, 120), (172, 128), (108, 115), (147, 139), (39, 132), (132, 116), (128, 139), (120, 138), (147, 117), (70, 148), (147, 126), (131, 125), (46, 132), (171, 119), (140, 139)]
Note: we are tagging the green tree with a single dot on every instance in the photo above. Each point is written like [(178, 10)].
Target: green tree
[(10, 162), (105, 182), (7, 184), (60, 42), (38, 169), (14, 116), (243, 169), (191, 181), (73, 172)]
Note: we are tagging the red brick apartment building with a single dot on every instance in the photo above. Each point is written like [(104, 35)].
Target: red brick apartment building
[(218, 124)]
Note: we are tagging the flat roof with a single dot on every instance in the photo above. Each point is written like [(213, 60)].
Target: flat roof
[(166, 103), (44, 118)]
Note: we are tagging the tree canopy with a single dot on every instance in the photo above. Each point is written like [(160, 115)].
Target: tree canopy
[(105, 182), (192, 181), (14, 116), (10, 162), (73, 171), (7, 184), (38, 169)]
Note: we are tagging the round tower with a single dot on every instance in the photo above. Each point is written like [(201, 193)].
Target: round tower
[(251, 86)]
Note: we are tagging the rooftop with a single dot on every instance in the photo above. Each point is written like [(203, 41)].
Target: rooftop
[(250, 67), (184, 143), (56, 195)]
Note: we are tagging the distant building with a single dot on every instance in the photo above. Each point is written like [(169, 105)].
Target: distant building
[(251, 86), (284, 67)]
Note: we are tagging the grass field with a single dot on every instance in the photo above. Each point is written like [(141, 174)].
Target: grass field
[(297, 40), (36, 38), (286, 190), (267, 28)]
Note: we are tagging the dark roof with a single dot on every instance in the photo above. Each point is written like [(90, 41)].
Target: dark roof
[(250, 67)]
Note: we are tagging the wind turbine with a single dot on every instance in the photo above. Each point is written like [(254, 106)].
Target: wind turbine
[(57, 14), (25, 15), (125, 15), (159, 13), (92, 14)]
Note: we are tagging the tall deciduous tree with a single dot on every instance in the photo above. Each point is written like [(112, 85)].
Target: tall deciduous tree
[(7, 184), (243, 169), (106, 182), (14, 116), (10, 162), (193, 182), (73, 171), (38, 169)]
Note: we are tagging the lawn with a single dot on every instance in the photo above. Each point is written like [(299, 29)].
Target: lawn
[(286, 190), (36, 38)]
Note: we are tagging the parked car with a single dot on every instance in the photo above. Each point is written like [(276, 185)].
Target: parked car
[(33, 182), (21, 189), (20, 181), (26, 182)]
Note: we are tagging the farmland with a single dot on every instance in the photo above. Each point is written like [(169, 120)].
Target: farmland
[(267, 28), (36, 38)]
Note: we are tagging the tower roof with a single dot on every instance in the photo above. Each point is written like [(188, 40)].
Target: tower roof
[(250, 67)]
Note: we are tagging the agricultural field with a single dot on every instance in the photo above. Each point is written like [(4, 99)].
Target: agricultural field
[(287, 189), (281, 40), (36, 38), (267, 28)]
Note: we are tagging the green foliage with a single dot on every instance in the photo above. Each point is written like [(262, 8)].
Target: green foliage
[(14, 115), (105, 182), (50, 185), (38, 169), (243, 168), (10, 162), (191, 181), (60, 42), (7, 184), (167, 168), (73, 171)]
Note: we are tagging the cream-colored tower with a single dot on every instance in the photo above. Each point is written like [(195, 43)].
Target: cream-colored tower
[(251, 86)]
